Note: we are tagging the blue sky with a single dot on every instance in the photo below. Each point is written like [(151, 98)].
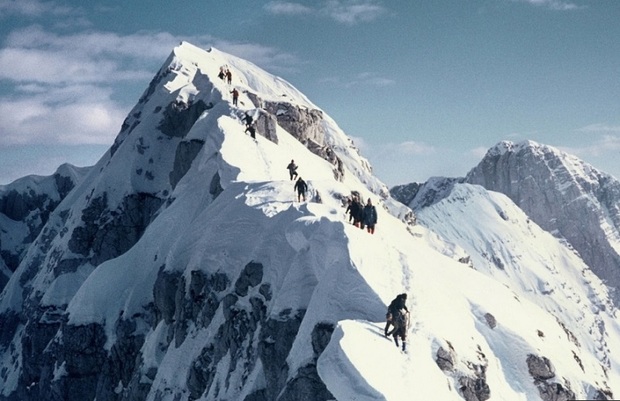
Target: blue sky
[(424, 87)]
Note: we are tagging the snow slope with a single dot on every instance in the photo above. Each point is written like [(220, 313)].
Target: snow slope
[(170, 274)]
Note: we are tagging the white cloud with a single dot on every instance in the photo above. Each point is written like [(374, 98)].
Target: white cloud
[(34, 121), (34, 8), (351, 12), (286, 8), (360, 80), (599, 127), (558, 5), (63, 85), (60, 67)]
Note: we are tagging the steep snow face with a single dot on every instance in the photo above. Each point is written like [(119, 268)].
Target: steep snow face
[(562, 194)]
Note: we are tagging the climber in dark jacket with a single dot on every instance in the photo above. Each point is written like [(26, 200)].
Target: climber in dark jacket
[(301, 187), (369, 217), (356, 211), (292, 169), (397, 316)]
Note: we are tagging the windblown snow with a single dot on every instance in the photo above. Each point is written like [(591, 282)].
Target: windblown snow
[(494, 299)]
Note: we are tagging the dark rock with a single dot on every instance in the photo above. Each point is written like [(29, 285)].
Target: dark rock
[(445, 360), (215, 188), (108, 234), (250, 276), (275, 342), (164, 294), (540, 368), (321, 334), (490, 319), (474, 389), (306, 386), (185, 154), (179, 118), (554, 392)]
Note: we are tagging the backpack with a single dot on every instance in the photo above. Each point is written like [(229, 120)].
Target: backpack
[(399, 318)]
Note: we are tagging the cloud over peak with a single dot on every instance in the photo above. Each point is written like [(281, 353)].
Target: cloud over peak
[(348, 12), (558, 5)]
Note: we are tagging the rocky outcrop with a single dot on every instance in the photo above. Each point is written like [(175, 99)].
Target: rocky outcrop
[(471, 382), (179, 117), (542, 371), (418, 196), (306, 125)]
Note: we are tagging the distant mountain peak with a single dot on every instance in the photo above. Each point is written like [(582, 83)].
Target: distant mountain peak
[(563, 194)]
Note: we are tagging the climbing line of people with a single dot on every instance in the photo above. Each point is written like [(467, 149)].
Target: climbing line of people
[(362, 216), (250, 127)]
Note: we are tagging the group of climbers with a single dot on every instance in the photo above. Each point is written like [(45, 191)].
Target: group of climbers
[(362, 216), (300, 185), (225, 73)]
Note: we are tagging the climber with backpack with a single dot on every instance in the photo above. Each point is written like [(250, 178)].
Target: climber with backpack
[(398, 317), (301, 187)]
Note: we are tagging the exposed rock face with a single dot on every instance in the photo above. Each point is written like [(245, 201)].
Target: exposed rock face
[(109, 233), (306, 125), (542, 371), (418, 196), (185, 155), (471, 382), (180, 117), (303, 124), (563, 195)]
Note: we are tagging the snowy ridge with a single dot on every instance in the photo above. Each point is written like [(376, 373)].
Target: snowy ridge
[(183, 268)]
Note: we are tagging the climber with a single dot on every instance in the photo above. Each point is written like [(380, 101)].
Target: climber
[(349, 212), (355, 209), (251, 130), (301, 187), (235, 94), (292, 169), (221, 74), (228, 76), (397, 316), (369, 217), (247, 119)]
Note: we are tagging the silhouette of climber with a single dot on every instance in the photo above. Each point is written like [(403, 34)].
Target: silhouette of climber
[(235, 94), (301, 188)]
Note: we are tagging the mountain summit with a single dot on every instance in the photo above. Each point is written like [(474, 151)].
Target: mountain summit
[(183, 267)]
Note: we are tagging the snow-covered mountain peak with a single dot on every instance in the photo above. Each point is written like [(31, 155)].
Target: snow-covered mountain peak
[(184, 266)]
